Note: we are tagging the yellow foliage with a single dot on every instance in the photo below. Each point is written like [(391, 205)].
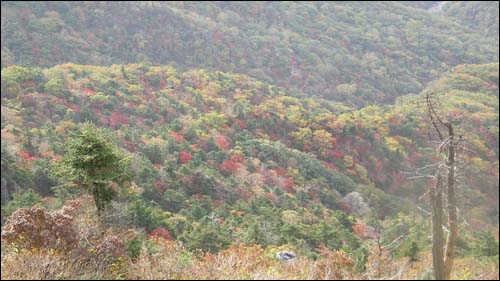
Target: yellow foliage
[(303, 135), (290, 216), (348, 161), (392, 144), (63, 126)]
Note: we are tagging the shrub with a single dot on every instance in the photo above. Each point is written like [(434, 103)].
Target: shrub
[(36, 228)]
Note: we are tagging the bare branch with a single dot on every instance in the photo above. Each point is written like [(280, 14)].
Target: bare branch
[(423, 210), (431, 111), (421, 176)]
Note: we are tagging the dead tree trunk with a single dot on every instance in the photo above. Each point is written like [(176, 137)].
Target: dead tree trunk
[(442, 264), (437, 230), (452, 205)]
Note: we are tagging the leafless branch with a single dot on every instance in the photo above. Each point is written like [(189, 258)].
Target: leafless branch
[(423, 210), (421, 176)]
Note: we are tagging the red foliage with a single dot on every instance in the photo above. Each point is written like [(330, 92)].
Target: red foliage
[(333, 141), (228, 167), (177, 137), (288, 185), (28, 84), (328, 165), (160, 232), (88, 92), (270, 197), (117, 118), (25, 155), (36, 228), (27, 158), (129, 145), (74, 107), (47, 153), (222, 142), (60, 101), (359, 230), (184, 157), (158, 184), (337, 154), (237, 158), (242, 124), (280, 172), (217, 35)]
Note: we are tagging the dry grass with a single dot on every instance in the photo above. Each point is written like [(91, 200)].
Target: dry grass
[(98, 253)]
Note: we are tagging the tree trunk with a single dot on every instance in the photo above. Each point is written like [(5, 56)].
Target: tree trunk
[(437, 231), (443, 263), (452, 206), (99, 203)]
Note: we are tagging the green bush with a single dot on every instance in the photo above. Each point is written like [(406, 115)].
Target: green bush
[(21, 199)]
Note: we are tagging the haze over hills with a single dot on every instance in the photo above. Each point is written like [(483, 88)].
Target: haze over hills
[(477, 15), (354, 52), (250, 132)]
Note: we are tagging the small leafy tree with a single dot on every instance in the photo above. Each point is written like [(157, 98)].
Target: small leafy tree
[(486, 244), (91, 162)]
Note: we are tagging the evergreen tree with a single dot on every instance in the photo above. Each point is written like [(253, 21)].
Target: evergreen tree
[(91, 162)]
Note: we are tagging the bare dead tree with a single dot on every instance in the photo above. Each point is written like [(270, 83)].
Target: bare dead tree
[(443, 190), (448, 149)]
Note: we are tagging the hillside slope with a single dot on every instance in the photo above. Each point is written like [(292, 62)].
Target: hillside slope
[(481, 16), (251, 138), (343, 51)]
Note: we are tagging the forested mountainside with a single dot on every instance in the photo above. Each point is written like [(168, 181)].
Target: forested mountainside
[(248, 140), (226, 139), (481, 16), (345, 51)]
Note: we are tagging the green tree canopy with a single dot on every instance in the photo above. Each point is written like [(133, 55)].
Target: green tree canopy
[(91, 162)]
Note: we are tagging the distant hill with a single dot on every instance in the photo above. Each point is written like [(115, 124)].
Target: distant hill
[(481, 16), (358, 53)]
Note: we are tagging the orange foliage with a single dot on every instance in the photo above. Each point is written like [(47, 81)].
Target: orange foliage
[(222, 142)]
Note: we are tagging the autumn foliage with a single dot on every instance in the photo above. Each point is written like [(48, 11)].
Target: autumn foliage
[(184, 157)]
